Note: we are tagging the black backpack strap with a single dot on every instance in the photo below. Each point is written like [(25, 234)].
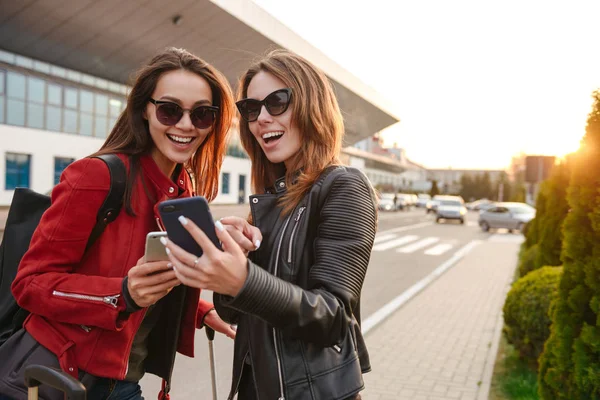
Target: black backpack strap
[(114, 199)]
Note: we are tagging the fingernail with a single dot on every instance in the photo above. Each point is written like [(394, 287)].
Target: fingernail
[(183, 220), (219, 226), (163, 241), (167, 250), (257, 244)]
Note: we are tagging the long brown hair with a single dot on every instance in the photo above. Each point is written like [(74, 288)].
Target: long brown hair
[(131, 135), (315, 112)]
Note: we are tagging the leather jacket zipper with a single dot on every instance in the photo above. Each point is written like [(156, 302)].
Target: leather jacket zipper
[(296, 223), (112, 300), (281, 397)]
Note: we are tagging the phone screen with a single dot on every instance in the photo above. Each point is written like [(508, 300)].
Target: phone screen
[(195, 209)]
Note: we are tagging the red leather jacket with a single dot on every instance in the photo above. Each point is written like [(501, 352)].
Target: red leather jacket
[(75, 299)]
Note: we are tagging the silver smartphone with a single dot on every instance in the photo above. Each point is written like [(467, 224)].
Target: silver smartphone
[(155, 250)]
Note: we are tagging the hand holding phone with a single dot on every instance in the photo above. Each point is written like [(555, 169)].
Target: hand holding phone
[(155, 250), (195, 209)]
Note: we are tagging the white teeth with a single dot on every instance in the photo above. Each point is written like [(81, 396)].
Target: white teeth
[(272, 134), (179, 139)]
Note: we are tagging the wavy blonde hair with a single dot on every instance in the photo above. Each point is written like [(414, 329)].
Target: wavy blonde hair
[(316, 113)]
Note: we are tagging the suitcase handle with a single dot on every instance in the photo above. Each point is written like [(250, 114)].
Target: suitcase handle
[(36, 375)]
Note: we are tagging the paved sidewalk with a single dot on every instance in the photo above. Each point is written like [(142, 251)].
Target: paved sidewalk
[(442, 344)]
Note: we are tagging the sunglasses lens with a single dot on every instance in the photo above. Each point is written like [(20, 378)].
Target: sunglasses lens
[(203, 117), (249, 109), (277, 102), (168, 113)]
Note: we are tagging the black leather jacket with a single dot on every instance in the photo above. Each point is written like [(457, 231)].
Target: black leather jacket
[(298, 313)]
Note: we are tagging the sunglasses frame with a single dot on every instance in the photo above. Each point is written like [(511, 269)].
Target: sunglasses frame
[(158, 103), (264, 103)]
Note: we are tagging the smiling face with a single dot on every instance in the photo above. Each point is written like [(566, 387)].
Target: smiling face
[(278, 136), (176, 144)]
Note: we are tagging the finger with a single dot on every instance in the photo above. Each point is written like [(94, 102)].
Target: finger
[(149, 268), (227, 241), (241, 240), (207, 246), (251, 232), (178, 254), (164, 286), (158, 278)]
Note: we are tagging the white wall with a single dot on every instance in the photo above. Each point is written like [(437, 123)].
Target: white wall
[(236, 167), (43, 146)]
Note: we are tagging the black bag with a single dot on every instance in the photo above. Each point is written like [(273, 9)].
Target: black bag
[(23, 218)]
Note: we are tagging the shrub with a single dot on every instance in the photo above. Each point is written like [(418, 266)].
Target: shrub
[(526, 318), (528, 260)]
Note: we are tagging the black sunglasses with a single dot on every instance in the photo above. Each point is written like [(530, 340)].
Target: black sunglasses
[(276, 103), (169, 114)]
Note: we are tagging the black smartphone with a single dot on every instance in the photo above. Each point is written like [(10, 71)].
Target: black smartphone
[(194, 208)]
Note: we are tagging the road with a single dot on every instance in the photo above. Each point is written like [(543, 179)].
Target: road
[(409, 245)]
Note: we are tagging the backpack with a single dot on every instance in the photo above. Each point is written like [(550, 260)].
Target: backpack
[(24, 215)]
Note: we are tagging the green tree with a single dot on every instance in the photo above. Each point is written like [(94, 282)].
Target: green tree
[(555, 211), (434, 188), (570, 363)]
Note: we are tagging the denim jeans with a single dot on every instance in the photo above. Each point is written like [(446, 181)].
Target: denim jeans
[(110, 389)]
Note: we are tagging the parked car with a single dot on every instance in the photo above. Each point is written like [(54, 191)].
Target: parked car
[(422, 200), (510, 216), (386, 202), (475, 205), (451, 207)]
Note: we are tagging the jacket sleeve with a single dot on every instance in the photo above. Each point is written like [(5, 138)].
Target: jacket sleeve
[(204, 307), (345, 234), (47, 282)]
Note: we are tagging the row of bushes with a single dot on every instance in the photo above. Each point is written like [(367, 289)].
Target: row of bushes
[(552, 312)]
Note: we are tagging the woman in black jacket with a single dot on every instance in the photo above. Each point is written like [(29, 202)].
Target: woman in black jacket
[(296, 296)]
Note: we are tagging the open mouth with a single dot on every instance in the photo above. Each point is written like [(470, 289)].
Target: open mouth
[(181, 139), (271, 137)]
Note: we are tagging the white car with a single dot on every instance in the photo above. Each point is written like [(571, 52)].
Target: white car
[(506, 215), (451, 208)]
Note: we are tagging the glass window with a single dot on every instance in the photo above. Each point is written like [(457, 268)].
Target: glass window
[(70, 122), (54, 94), (88, 80), (225, 183), (74, 75), (24, 62), (2, 75), (100, 126), (111, 123), (35, 115), (60, 163), (36, 90), (53, 118), (115, 107), (17, 170), (71, 97), (86, 124), (41, 66), (101, 105), (7, 57), (86, 99), (16, 85), (15, 112), (1, 109)]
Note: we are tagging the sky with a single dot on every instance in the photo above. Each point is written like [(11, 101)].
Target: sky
[(473, 82)]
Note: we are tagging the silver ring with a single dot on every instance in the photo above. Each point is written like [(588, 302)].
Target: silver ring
[(196, 262)]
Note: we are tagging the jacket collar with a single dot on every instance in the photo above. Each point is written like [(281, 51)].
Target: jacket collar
[(280, 185), (162, 182)]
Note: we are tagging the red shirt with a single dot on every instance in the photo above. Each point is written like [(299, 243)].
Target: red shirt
[(74, 298)]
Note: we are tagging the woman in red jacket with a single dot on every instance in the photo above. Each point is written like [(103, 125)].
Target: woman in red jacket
[(104, 315)]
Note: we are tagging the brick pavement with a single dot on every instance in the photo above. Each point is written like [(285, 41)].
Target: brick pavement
[(442, 344)]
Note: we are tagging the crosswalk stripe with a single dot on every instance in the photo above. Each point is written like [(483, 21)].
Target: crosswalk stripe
[(418, 245), (439, 249), (383, 238), (396, 242)]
